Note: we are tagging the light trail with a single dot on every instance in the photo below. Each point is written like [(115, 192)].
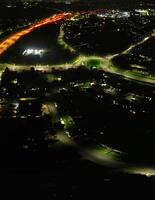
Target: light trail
[(104, 155), (12, 39), (107, 60)]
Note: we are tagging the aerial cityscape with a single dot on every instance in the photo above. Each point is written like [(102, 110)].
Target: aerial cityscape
[(77, 98)]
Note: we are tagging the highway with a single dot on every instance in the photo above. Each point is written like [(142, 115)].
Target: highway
[(103, 155), (12, 39), (107, 60)]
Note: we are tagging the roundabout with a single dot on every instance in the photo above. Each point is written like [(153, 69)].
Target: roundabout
[(95, 109)]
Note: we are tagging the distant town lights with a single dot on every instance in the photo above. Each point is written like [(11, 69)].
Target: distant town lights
[(38, 52)]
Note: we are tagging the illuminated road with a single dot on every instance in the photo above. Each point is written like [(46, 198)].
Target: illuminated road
[(139, 43), (106, 61), (107, 64), (112, 158), (12, 39), (9, 41), (103, 155)]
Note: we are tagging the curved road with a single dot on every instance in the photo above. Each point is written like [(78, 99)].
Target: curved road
[(10, 40), (103, 155)]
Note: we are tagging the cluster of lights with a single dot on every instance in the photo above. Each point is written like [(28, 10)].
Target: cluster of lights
[(38, 52)]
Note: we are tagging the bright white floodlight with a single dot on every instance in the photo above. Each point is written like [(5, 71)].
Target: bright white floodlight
[(35, 52)]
